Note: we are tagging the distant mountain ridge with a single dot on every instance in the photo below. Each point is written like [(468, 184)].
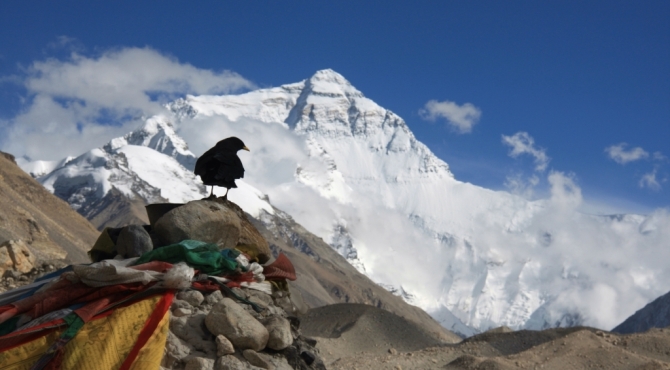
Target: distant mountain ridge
[(353, 173), (654, 315)]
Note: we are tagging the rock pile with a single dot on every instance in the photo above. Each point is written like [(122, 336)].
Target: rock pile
[(214, 332), (233, 307), (233, 328)]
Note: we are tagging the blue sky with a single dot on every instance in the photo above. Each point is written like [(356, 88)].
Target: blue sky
[(577, 76)]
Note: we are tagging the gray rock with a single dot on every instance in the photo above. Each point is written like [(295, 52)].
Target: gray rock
[(257, 359), (260, 297), (229, 319), (214, 297), (179, 312), (203, 220), (284, 302), (265, 361), (223, 346), (175, 351), (258, 302), (241, 292), (178, 303), (230, 363), (191, 330), (199, 363), (279, 330), (133, 241), (193, 297)]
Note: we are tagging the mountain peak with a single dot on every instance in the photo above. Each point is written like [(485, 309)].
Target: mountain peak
[(329, 75), (157, 133), (329, 83)]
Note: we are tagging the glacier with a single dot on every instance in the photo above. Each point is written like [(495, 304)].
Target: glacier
[(353, 173)]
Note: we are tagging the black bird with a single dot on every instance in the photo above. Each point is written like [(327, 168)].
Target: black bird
[(220, 166)]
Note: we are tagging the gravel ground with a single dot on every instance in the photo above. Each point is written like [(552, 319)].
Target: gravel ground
[(349, 337)]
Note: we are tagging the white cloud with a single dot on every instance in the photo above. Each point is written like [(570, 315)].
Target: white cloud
[(649, 180), (518, 185), (602, 268), (522, 143), (81, 102), (462, 118), (564, 191), (658, 156), (622, 156)]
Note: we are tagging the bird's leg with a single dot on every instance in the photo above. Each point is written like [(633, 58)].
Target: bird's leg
[(225, 196), (211, 195)]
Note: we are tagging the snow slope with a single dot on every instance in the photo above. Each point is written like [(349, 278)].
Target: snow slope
[(152, 163), (353, 173)]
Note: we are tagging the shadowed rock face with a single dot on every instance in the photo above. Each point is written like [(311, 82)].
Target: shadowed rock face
[(654, 315), (133, 241)]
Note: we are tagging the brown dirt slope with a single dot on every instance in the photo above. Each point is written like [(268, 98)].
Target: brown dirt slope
[(351, 328), (29, 212), (551, 349), (117, 210)]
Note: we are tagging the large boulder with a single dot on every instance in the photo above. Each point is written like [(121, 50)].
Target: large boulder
[(251, 241), (203, 220), (133, 241), (229, 319), (280, 333)]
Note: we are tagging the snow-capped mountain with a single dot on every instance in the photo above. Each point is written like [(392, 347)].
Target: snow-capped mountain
[(40, 168), (151, 164), (353, 173)]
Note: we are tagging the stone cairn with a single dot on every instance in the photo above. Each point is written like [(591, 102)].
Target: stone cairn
[(232, 328)]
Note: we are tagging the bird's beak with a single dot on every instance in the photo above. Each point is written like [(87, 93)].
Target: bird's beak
[(247, 149)]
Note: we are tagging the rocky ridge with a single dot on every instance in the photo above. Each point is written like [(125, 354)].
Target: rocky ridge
[(656, 314), (31, 216)]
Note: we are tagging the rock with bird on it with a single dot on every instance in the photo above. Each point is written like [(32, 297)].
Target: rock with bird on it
[(220, 165)]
